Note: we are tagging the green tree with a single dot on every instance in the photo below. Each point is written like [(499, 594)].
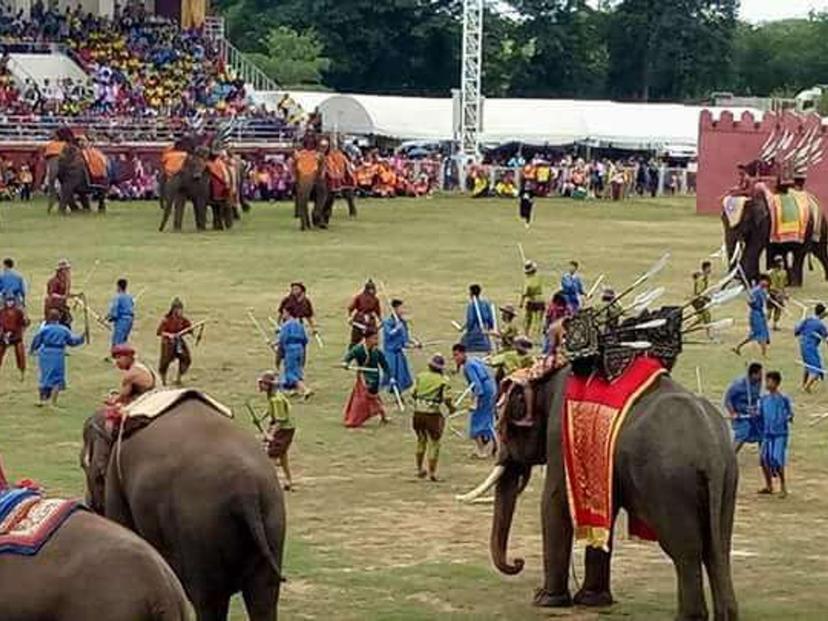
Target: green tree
[(293, 59), (671, 49)]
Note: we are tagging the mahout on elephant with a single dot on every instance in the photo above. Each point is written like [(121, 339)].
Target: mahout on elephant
[(770, 210), (61, 562), (668, 461), (176, 470)]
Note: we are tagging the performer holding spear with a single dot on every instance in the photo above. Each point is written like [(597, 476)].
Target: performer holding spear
[(173, 328), (811, 333)]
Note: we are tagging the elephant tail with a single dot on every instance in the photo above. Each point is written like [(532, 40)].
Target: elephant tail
[(269, 546)]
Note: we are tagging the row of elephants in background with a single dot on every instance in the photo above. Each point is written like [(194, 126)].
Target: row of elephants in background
[(208, 178)]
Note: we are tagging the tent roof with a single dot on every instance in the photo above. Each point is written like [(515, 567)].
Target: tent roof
[(535, 121), (394, 117)]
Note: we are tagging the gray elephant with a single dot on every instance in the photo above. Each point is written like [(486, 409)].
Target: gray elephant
[(91, 568), (675, 469), (204, 494), (190, 183), (77, 180)]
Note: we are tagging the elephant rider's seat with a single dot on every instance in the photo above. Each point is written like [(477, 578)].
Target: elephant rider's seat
[(28, 519), (152, 405), (172, 161)]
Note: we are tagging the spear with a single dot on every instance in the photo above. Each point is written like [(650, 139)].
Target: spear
[(699, 381), (817, 419), (809, 367), (496, 329), (260, 329), (457, 326), (89, 274), (462, 396), (595, 286), (647, 325), (715, 326), (522, 254), (655, 269), (138, 295), (643, 300)]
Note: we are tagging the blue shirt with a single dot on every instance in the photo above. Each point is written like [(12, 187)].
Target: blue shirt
[(811, 331), (572, 287), (292, 332), (394, 334), (478, 376), (777, 412), (54, 336), (12, 282), (743, 396), (758, 299), (485, 315), (122, 306)]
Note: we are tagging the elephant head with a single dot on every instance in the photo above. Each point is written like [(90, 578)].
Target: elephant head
[(752, 231), (195, 166), (95, 454), (520, 447)]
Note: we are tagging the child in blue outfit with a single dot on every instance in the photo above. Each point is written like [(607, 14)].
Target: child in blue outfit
[(777, 414)]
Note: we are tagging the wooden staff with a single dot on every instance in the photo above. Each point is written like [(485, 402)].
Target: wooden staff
[(260, 329)]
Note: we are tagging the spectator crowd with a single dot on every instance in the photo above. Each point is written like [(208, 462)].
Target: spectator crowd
[(138, 66)]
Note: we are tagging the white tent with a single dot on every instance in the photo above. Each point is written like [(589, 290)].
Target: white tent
[(393, 117), (534, 121)]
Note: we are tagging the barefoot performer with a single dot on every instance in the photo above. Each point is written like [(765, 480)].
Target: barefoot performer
[(757, 303), (13, 322), (137, 377), (121, 313), (364, 312), (280, 431), (293, 344), (483, 388), (777, 415), (742, 403), (172, 330), (364, 402), (811, 333), (50, 345), (431, 392)]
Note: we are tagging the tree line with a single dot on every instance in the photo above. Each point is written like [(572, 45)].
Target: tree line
[(641, 50)]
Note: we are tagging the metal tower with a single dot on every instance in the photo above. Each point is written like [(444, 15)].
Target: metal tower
[(470, 71)]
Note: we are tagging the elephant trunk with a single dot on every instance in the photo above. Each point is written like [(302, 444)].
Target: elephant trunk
[(508, 488)]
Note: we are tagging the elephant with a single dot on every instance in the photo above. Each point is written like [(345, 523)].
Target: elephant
[(191, 183), (91, 568), (75, 181), (204, 494), (675, 469), (754, 231)]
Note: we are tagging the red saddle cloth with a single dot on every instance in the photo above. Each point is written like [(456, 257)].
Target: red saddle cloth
[(594, 410)]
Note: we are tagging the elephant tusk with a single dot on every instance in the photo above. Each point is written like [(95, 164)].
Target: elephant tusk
[(485, 486)]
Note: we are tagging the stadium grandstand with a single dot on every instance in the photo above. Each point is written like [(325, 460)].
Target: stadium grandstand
[(139, 73)]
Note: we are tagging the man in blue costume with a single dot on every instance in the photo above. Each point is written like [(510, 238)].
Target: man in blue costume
[(777, 414), (572, 287), (484, 390), (811, 333), (121, 313), (742, 403), (50, 345), (758, 303), (293, 342), (12, 282), (479, 323), (395, 338)]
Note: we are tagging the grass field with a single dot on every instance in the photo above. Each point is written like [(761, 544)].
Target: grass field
[(366, 539)]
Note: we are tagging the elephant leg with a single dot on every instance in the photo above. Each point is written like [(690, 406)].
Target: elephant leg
[(200, 209), (682, 540), (319, 202), (178, 218), (556, 531), (303, 192), (750, 260), (349, 198), (820, 251), (102, 201), (167, 206), (218, 219), (210, 609), (229, 213), (67, 199), (261, 593), (797, 269), (84, 201), (595, 590)]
